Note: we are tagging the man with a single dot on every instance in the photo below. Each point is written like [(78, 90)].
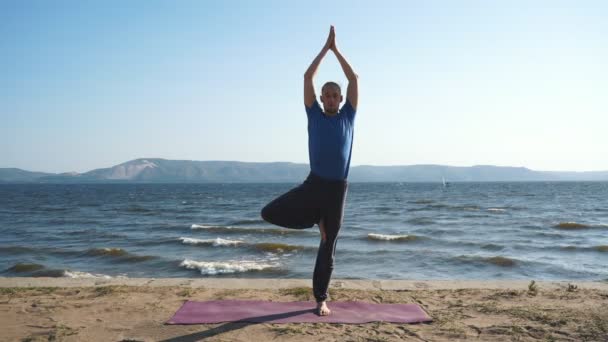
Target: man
[(320, 198)]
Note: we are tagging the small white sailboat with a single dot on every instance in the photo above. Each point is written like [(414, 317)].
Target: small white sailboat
[(445, 184)]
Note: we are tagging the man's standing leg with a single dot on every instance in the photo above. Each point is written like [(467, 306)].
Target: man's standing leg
[(329, 226)]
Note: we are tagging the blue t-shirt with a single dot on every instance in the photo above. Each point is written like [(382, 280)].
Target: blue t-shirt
[(330, 141)]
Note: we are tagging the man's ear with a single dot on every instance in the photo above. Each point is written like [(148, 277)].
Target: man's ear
[(341, 98)]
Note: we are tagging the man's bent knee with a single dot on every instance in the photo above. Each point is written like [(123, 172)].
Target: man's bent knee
[(270, 214), (266, 214)]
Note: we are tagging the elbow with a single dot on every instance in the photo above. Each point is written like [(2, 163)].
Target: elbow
[(353, 78), (307, 76)]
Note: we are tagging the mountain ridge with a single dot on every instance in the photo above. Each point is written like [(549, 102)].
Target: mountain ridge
[(159, 170)]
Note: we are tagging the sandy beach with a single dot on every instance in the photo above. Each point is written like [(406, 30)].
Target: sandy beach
[(128, 309)]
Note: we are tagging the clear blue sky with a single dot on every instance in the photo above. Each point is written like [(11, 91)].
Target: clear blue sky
[(90, 84)]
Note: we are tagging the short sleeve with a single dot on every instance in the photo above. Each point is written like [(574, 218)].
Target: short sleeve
[(314, 109), (348, 109)]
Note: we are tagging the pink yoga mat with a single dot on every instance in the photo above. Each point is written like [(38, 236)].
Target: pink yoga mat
[(255, 311)]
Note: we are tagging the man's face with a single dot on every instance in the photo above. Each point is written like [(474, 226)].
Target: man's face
[(331, 99)]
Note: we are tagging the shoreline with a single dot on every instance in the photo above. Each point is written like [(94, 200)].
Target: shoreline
[(276, 283)]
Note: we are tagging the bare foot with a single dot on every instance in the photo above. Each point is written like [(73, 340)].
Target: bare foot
[(323, 309)]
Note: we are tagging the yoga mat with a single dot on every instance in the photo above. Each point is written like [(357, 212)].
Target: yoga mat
[(256, 311)]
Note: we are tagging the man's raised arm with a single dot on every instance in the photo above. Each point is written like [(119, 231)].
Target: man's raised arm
[(352, 91), (309, 89)]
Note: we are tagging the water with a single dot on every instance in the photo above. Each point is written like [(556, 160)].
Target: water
[(536, 230)]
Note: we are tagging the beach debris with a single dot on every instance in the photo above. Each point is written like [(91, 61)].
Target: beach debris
[(532, 288)]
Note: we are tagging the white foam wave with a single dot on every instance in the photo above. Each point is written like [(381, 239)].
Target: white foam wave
[(79, 274), (200, 226), (230, 266), (386, 236), (215, 242), (497, 210)]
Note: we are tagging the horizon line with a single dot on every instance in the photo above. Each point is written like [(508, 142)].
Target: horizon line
[(301, 163)]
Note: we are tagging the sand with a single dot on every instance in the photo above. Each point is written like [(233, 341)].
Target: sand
[(63, 309)]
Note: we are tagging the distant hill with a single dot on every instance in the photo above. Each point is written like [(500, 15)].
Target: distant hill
[(17, 175), (157, 170)]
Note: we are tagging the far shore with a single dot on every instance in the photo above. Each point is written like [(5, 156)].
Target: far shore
[(135, 309)]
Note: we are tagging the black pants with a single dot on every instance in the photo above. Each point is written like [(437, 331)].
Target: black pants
[(317, 199)]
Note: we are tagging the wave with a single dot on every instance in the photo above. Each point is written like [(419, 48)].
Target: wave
[(442, 206), (247, 221), (35, 250), (74, 221), (420, 221), (492, 247), (15, 250), (571, 225), (230, 266), (497, 210), (500, 261), (272, 247), (150, 211), (386, 237), (80, 274), (236, 230), (475, 216), (451, 243), (52, 208), (599, 248), (437, 206), (95, 232), (482, 245), (106, 251), (467, 208), (118, 253), (422, 201), (24, 267), (52, 273), (157, 242), (549, 235), (277, 247), (38, 270), (58, 273), (430, 206), (214, 242), (531, 226), (495, 260), (202, 226), (132, 209), (136, 209)]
